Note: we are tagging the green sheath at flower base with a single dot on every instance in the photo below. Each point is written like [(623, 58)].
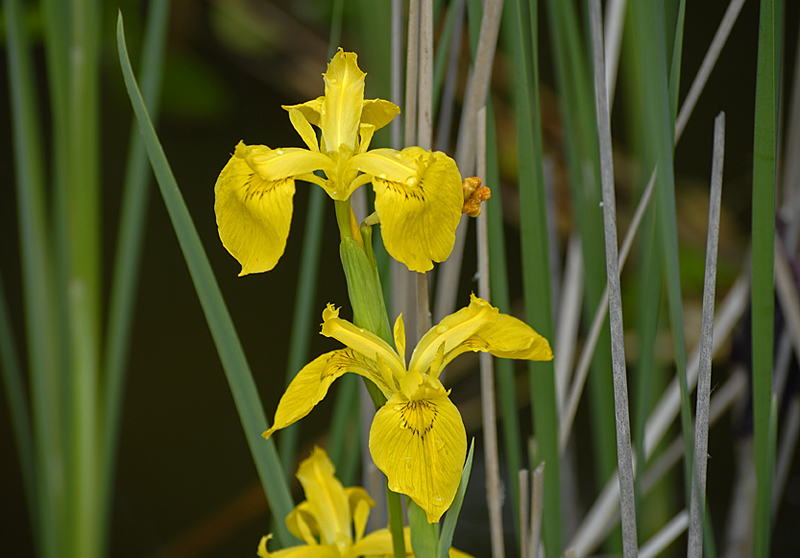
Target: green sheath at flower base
[(418, 193), (417, 438)]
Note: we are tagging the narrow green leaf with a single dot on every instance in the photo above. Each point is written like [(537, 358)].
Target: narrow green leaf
[(424, 536), (535, 261), (450, 520), (41, 312), (237, 370), (763, 238)]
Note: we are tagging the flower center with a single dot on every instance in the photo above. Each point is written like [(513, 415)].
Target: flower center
[(418, 416)]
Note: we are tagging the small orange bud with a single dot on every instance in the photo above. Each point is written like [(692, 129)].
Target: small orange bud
[(474, 194)]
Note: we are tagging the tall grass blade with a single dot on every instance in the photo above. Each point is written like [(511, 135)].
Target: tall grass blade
[(450, 520), (237, 370), (698, 479), (763, 235), (535, 260), (41, 312), (624, 453)]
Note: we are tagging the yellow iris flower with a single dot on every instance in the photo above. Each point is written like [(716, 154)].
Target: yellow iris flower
[(418, 194), (332, 519), (417, 438)]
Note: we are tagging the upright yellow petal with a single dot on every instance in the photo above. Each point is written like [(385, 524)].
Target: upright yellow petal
[(378, 112), (451, 332), (420, 445), (344, 98), (326, 497), (361, 340), (418, 198)]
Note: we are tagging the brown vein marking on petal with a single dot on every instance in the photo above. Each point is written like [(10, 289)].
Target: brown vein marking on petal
[(414, 191), (256, 187), (419, 416), (347, 359)]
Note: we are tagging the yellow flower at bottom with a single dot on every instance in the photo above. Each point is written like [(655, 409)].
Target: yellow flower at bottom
[(417, 438), (332, 519)]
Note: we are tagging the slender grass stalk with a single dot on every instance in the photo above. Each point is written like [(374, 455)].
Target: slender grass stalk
[(764, 175), (237, 370), (494, 499), (474, 98), (576, 104), (535, 262), (537, 505), (498, 271), (698, 480), (39, 301), (624, 454), (450, 520)]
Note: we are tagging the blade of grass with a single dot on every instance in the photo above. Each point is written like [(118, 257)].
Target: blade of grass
[(450, 520), (624, 455), (494, 498), (237, 370), (475, 97), (763, 234), (41, 312), (650, 40), (535, 261), (698, 479), (576, 108), (498, 269)]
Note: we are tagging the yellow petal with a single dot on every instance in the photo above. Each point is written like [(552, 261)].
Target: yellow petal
[(362, 341), (312, 110), (302, 523), (303, 127), (400, 338), (451, 332), (418, 197), (302, 551), (311, 385), (479, 327), (253, 215), (360, 504), (378, 112), (420, 445), (344, 97), (326, 497)]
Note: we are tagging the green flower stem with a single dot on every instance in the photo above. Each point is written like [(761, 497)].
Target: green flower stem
[(369, 312)]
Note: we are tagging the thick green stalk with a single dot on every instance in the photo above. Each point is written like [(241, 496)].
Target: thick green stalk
[(763, 297), (39, 302), (535, 263)]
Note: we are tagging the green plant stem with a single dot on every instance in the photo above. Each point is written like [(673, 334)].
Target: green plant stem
[(763, 297)]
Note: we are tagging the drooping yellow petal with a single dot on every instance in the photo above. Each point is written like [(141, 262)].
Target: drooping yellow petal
[(302, 523), (254, 202), (326, 498), (311, 385), (418, 198), (362, 341), (420, 445), (360, 504), (302, 551), (344, 98)]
